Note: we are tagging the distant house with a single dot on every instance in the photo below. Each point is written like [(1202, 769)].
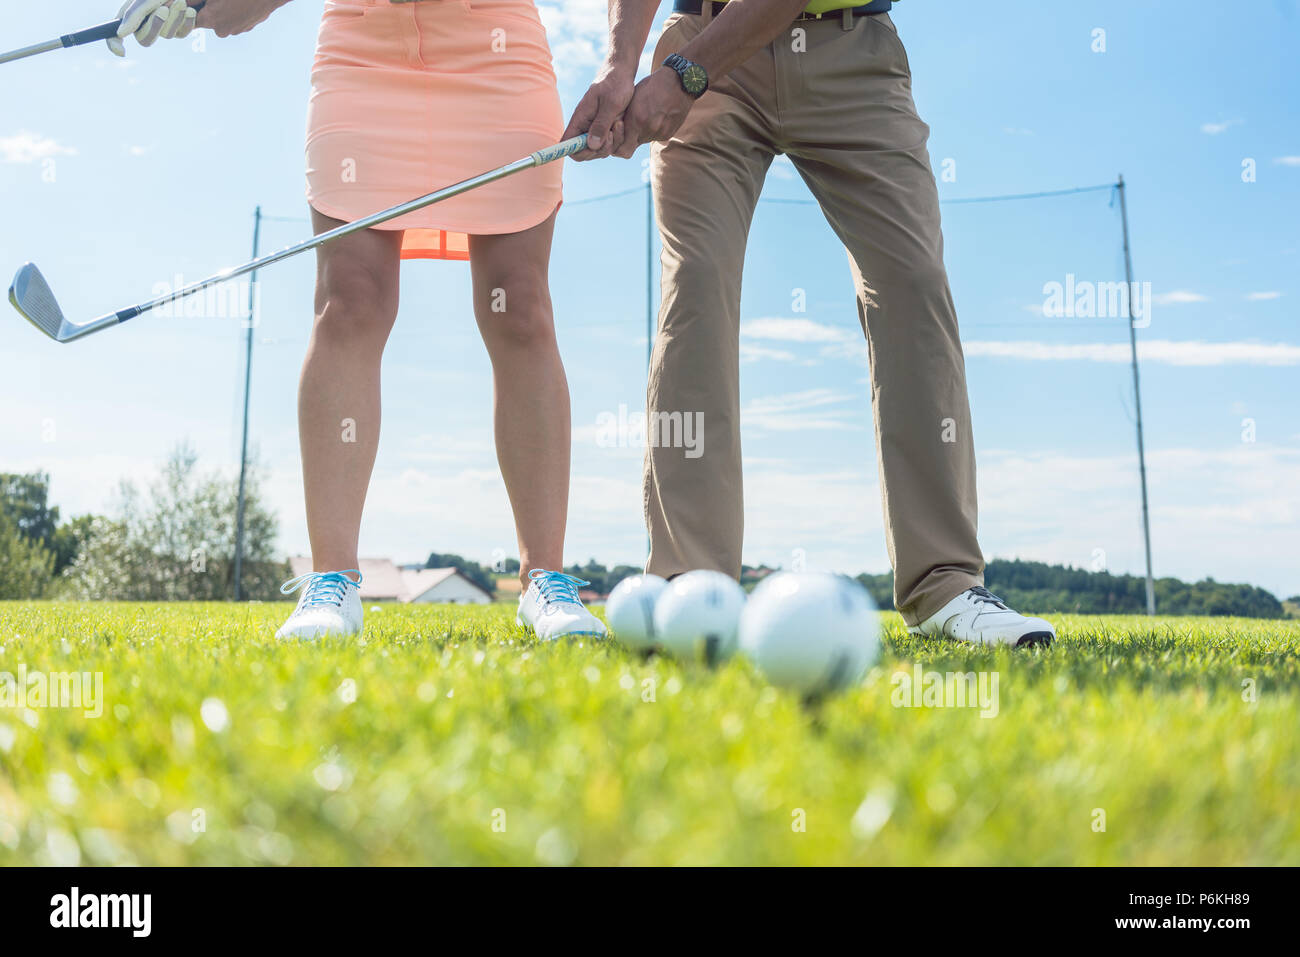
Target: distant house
[(382, 580), (509, 587)]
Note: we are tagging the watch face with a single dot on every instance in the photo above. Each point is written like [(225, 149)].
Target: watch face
[(695, 79)]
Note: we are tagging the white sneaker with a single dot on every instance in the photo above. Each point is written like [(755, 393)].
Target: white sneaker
[(552, 608), (978, 616), (330, 604)]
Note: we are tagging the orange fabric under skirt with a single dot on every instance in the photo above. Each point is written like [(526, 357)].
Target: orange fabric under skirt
[(435, 244), (410, 97)]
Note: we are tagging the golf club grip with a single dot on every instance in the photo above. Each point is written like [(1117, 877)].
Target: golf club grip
[(564, 148), (102, 32)]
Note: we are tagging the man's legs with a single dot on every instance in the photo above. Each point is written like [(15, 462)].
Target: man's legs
[(706, 182), (861, 148)]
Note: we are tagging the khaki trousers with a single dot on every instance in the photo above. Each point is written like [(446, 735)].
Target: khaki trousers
[(838, 102)]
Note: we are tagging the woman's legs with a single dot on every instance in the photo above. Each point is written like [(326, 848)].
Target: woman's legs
[(338, 395), (512, 304), (338, 398)]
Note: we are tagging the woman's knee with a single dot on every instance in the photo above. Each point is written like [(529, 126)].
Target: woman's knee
[(355, 304), (514, 310)]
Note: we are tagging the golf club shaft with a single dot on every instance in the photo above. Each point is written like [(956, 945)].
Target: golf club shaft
[(533, 160), (102, 32)]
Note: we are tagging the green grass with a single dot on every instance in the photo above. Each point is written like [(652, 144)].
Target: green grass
[(407, 747)]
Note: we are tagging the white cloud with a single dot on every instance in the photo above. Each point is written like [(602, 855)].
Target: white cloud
[(801, 411), (27, 147), (1178, 297), (752, 353), (837, 342), (794, 330), (578, 31), (1287, 161), (1263, 296), (1214, 129), (1188, 353)]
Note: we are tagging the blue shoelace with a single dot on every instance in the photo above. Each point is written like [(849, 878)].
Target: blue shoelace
[(323, 588), (557, 586)]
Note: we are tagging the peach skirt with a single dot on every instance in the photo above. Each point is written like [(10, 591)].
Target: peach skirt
[(409, 97)]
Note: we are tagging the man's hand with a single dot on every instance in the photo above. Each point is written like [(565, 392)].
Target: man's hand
[(658, 109), (150, 19), (226, 18), (599, 112)]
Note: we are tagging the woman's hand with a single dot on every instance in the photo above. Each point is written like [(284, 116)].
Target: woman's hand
[(151, 19), (226, 18)]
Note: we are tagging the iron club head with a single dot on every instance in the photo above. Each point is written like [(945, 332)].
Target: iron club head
[(30, 294)]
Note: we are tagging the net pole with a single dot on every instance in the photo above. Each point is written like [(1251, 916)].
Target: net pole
[(248, 379), (649, 300), (1137, 398)]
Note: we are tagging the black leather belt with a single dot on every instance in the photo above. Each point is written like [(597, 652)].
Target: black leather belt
[(864, 10)]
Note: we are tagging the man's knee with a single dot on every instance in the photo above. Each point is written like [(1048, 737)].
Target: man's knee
[(918, 273), (697, 285), (908, 289)]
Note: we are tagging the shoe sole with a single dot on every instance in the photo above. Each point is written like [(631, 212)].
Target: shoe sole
[(316, 635), (1034, 639), (567, 634), (520, 623)]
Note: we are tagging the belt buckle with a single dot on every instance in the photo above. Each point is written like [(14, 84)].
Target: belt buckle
[(845, 15)]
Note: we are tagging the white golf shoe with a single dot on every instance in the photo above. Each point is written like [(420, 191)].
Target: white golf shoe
[(978, 616), (330, 604), (552, 608)]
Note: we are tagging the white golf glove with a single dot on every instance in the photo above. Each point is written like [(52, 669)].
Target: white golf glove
[(151, 19)]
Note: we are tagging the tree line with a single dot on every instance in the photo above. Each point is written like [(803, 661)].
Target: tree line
[(1040, 588), (170, 540), (173, 539)]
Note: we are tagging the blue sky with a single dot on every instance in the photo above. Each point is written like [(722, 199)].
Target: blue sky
[(120, 175)]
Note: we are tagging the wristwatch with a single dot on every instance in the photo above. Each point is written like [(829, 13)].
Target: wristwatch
[(695, 79)]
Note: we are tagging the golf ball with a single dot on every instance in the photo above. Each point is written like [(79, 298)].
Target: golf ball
[(810, 632), (697, 614), (630, 610)]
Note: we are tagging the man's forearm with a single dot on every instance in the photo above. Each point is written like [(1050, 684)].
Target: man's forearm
[(742, 29), (629, 26), (661, 102)]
